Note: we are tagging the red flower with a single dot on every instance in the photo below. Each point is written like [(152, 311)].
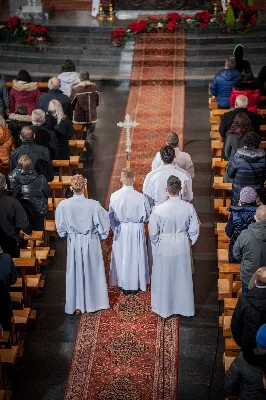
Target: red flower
[(153, 19), (138, 27), (171, 26), (33, 27), (203, 16), (187, 17), (41, 29), (253, 20), (42, 39), (13, 22), (30, 39), (174, 16), (118, 33), (203, 25)]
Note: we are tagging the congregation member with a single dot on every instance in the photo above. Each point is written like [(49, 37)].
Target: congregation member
[(85, 223), (223, 83), (57, 121), (24, 91), (4, 98), (228, 118), (54, 93), (248, 167), (245, 378), (8, 277), (250, 312), (68, 77), (241, 125), (13, 219), (240, 217), (39, 155), (250, 248), (85, 99), (6, 146), (154, 186), (17, 120), (262, 80), (43, 136), (128, 211), (248, 86), (238, 54), (32, 190), (173, 229), (182, 159)]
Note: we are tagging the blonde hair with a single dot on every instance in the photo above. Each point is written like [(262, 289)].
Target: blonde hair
[(2, 122), (127, 176), (55, 107), (25, 162), (78, 183)]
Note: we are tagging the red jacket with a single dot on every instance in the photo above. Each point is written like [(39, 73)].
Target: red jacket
[(251, 90), (24, 93)]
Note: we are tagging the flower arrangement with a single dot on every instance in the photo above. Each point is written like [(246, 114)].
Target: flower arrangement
[(241, 15), (36, 36)]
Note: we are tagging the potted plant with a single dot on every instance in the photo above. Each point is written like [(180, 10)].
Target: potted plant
[(117, 37)]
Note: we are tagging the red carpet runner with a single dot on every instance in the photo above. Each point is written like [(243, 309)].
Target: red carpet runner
[(128, 352)]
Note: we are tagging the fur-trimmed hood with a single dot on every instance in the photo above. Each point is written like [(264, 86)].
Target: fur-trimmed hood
[(84, 83), (24, 86), (251, 155), (18, 117)]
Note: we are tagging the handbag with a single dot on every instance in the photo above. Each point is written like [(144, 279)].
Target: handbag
[(261, 192)]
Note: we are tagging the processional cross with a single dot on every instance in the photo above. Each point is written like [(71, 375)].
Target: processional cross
[(128, 124)]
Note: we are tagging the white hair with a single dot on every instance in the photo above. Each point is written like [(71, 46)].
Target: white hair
[(38, 116), (57, 111), (241, 103), (51, 85)]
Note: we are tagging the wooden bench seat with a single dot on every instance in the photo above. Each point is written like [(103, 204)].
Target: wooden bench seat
[(21, 317), (8, 357), (228, 361)]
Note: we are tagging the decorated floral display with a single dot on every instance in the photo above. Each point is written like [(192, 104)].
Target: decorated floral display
[(36, 36), (241, 15)]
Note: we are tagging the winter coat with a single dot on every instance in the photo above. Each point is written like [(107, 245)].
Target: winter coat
[(244, 378), (45, 137), (85, 100), (251, 90), (56, 94), (4, 97), (247, 168), (63, 132), (248, 316), (8, 271), (32, 190), (39, 156), (231, 146), (24, 93), (68, 79), (229, 117), (250, 250), (240, 218), (6, 145), (16, 123), (222, 86)]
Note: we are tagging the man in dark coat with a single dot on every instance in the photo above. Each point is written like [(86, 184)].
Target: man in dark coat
[(39, 155), (229, 117), (54, 93), (8, 277), (43, 136), (13, 219), (250, 311)]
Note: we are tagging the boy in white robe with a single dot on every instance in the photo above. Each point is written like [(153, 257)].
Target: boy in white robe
[(128, 211), (85, 223), (154, 186), (182, 159), (173, 228)]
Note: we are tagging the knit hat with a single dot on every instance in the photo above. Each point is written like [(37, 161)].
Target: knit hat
[(248, 195), (261, 336)]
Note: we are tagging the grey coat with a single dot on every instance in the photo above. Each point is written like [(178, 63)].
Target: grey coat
[(231, 146), (4, 97)]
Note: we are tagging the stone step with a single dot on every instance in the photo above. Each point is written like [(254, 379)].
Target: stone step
[(224, 49), (218, 60), (224, 38)]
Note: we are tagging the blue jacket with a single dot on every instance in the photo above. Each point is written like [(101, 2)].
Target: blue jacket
[(222, 86)]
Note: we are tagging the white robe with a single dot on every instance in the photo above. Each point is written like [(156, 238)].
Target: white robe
[(182, 159), (85, 223), (173, 228), (155, 183), (128, 211)]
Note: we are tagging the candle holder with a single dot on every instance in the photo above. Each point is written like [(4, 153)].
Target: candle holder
[(101, 16), (111, 16)]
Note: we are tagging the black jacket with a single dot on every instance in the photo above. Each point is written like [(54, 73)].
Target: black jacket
[(4, 97), (8, 271), (56, 94), (39, 156), (249, 315), (12, 218), (247, 168), (8, 277), (16, 123), (63, 132), (45, 137), (229, 117), (240, 218), (32, 190), (244, 378)]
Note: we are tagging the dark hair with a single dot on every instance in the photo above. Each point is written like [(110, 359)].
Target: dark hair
[(2, 181), (246, 75), (251, 140), (173, 185), (241, 125), (27, 133), (21, 110), (68, 66), (167, 154), (239, 52), (24, 76), (262, 75)]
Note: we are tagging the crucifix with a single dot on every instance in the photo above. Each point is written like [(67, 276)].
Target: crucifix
[(128, 124)]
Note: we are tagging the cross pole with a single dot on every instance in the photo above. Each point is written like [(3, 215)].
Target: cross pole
[(128, 124)]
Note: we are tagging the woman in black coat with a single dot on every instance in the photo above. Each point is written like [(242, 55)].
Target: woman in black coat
[(32, 190), (62, 126), (248, 167), (17, 120)]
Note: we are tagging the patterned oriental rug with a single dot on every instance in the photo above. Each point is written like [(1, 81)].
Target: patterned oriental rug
[(128, 352)]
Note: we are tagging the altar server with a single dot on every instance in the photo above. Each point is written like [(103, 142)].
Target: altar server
[(173, 228), (128, 211), (85, 223), (154, 186)]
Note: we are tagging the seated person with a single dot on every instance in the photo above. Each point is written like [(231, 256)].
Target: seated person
[(223, 83), (6, 145), (54, 93), (248, 86), (43, 136), (17, 120), (238, 53), (32, 190), (24, 91)]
